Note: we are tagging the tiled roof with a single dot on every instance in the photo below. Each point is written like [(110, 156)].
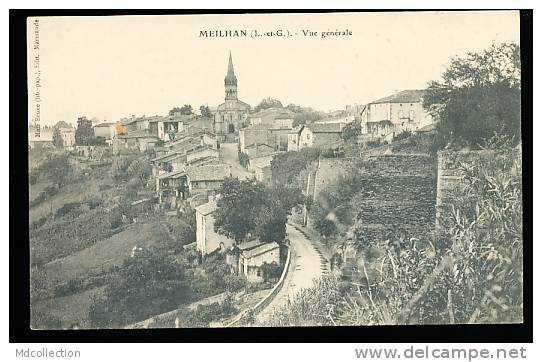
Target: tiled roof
[(325, 127), (265, 248), (173, 174), (140, 133), (406, 96), (167, 157), (105, 124), (208, 172), (247, 245), (259, 150)]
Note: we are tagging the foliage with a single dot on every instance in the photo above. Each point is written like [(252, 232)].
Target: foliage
[(248, 208), (479, 95), (119, 166), (401, 136), (268, 103), (304, 115), (204, 314), (350, 132), (139, 168), (58, 142), (67, 208), (373, 143), (271, 270), (57, 168), (149, 283), (238, 207), (205, 111), (84, 133), (289, 197), (286, 166), (63, 237), (271, 223), (473, 275), (40, 319), (184, 110)]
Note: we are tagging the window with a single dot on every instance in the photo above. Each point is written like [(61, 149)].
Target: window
[(411, 115), (258, 272)]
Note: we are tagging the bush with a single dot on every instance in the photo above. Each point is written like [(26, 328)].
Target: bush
[(373, 143), (204, 314), (234, 282), (39, 223), (33, 177), (401, 136), (67, 208)]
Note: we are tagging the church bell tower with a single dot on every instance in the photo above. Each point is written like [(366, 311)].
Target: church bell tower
[(230, 83)]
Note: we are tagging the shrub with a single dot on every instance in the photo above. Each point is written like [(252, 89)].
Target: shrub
[(403, 135), (373, 143), (66, 209)]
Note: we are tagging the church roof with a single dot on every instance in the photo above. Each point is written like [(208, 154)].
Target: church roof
[(230, 76)]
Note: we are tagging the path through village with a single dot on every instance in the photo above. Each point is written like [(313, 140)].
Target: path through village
[(307, 263), (228, 154)]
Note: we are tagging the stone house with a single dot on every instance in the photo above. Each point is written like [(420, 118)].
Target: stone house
[(207, 240), (170, 186), (319, 135), (141, 140), (67, 132), (105, 130), (274, 135), (206, 178), (263, 173), (294, 137), (255, 254), (394, 114)]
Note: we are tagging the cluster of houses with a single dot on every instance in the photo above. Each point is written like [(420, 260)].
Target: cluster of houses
[(186, 163)]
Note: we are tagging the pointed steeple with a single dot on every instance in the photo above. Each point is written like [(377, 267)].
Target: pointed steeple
[(230, 76)]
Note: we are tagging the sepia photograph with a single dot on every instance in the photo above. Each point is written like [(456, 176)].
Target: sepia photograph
[(275, 170)]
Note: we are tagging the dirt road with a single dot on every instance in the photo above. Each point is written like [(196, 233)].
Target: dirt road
[(228, 154), (306, 264)]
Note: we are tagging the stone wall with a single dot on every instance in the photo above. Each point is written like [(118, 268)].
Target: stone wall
[(397, 197)]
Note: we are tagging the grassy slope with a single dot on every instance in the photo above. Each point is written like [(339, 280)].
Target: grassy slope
[(70, 310), (106, 253)]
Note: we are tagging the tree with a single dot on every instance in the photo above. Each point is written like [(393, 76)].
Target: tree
[(271, 223), (350, 132), (479, 96), (84, 134), (184, 110), (57, 168), (205, 111), (286, 166), (149, 283), (58, 142), (238, 207), (289, 197), (268, 103)]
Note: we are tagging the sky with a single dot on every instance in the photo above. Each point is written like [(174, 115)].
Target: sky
[(117, 66)]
